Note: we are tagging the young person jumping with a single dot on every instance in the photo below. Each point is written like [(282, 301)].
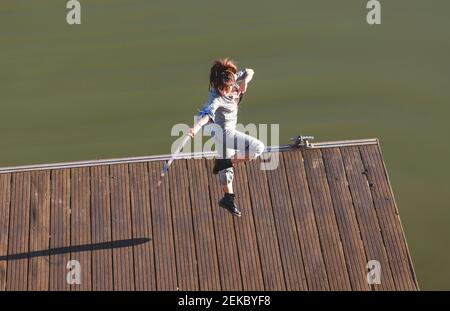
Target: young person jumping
[(227, 86)]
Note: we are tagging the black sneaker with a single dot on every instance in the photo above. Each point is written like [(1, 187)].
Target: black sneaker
[(221, 164), (227, 202)]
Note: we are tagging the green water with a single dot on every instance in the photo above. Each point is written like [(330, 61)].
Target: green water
[(115, 85)]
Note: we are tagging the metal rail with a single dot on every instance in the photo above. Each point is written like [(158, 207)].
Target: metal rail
[(194, 155)]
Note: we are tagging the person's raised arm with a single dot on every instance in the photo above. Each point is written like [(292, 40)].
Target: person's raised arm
[(249, 73)]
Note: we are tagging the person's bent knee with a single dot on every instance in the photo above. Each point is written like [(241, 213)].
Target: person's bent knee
[(260, 147)]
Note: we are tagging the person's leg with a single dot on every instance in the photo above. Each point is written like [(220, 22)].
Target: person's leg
[(248, 147), (228, 188), (225, 151), (226, 177), (226, 145)]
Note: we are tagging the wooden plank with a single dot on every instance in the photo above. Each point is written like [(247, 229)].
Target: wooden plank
[(81, 225), (227, 251), (366, 215), (102, 266), (121, 227), (249, 256), (59, 229), (183, 227), (205, 241), (312, 224), (326, 221), (141, 215), (305, 219), (346, 219), (288, 237), (271, 259), (38, 266), (19, 232), (5, 203), (165, 262), (391, 228)]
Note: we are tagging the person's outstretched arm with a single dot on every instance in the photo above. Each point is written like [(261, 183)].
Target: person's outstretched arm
[(197, 126)]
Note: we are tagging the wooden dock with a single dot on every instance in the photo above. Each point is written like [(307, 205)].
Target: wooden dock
[(312, 224)]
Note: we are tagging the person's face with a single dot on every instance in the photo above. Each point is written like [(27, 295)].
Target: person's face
[(229, 91)]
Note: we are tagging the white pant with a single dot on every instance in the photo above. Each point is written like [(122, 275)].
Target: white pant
[(230, 141)]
